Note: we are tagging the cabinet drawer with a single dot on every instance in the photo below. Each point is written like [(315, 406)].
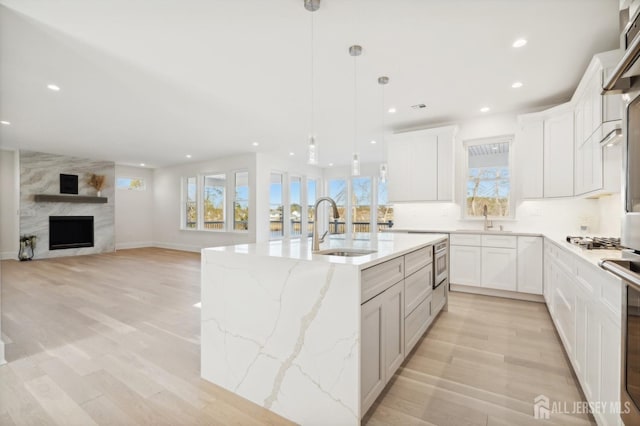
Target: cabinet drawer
[(417, 259), (502, 241), (465, 239), (416, 288), (416, 324), (378, 278)]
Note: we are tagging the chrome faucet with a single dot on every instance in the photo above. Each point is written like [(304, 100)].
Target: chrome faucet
[(488, 224), (315, 240)]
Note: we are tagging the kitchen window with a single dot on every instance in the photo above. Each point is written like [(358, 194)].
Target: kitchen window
[(276, 207), (488, 179), (384, 212), (241, 202), (361, 204), (191, 202), (136, 184), (214, 201), (295, 205), (338, 191)]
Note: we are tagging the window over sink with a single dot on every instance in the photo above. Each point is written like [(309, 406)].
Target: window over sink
[(488, 177)]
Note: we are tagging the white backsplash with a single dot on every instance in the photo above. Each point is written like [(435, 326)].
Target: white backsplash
[(557, 217)]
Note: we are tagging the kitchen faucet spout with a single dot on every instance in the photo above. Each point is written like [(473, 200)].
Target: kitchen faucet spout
[(315, 239)]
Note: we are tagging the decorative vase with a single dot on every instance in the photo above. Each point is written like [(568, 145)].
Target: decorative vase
[(26, 248)]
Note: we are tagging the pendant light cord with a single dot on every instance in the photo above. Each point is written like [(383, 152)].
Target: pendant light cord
[(312, 79), (355, 105)]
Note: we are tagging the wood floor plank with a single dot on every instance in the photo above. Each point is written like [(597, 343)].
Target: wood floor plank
[(114, 339)]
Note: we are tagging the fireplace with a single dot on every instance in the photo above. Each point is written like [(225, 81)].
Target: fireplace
[(70, 232)]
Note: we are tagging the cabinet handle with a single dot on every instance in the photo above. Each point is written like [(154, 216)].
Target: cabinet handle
[(399, 268)]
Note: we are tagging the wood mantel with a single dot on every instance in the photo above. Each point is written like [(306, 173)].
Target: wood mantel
[(54, 198)]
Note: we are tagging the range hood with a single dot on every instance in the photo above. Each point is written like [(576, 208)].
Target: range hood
[(619, 80)]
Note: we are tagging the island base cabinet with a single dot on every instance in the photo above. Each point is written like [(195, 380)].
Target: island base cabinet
[(417, 323), (382, 341)]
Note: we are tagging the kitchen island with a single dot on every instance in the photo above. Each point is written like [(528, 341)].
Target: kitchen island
[(315, 338)]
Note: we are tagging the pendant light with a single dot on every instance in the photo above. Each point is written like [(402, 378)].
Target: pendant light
[(355, 51), (382, 81), (312, 147)]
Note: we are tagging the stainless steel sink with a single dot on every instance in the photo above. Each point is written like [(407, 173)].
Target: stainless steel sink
[(345, 252)]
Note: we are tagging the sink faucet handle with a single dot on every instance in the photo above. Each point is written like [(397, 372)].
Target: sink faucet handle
[(321, 239)]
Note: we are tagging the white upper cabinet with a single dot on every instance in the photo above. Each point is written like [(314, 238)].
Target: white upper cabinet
[(595, 116), (529, 157), (558, 155), (421, 165), (544, 146)]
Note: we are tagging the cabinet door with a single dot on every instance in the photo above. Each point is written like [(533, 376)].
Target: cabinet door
[(530, 265), (530, 146), (580, 355), (446, 167), (423, 169), (372, 379), (499, 268), (592, 355), (610, 367), (398, 160), (558, 155), (580, 170), (466, 265), (393, 317), (595, 177)]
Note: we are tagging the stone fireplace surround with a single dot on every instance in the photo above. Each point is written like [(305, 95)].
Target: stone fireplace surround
[(40, 174)]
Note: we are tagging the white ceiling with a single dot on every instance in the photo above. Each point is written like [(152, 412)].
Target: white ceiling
[(153, 80)]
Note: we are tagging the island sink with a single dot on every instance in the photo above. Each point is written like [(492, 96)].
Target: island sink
[(345, 252)]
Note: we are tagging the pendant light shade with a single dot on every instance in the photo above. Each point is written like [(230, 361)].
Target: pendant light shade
[(355, 51), (383, 171), (312, 151)]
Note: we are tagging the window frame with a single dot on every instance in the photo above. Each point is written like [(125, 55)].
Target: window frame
[(465, 176)]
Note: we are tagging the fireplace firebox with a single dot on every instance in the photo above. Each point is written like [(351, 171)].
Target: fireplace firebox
[(67, 232)]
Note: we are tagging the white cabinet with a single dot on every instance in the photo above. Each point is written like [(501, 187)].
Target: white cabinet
[(530, 266), (545, 151), (421, 165), (558, 155), (382, 334), (529, 159), (499, 268), (466, 265), (585, 308)]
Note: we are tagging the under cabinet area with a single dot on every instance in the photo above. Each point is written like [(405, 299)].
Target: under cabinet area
[(497, 262), (398, 307)]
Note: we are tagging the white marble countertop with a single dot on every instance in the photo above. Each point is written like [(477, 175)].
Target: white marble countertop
[(463, 231), (386, 246)]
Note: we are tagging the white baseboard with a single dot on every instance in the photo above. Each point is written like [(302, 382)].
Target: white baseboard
[(132, 245), (174, 246), (8, 255), (497, 293)]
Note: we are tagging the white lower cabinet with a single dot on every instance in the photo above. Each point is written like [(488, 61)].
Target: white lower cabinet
[(396, 313), (579, 297), (499, 268), (466, 265), (497, 262)]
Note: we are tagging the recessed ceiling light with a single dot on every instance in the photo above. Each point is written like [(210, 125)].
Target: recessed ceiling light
[(292, 153), (188, 155), (485, 109), (373, 142), (6, 123), (330, 164), (519, 42), (141, 164), (255, 143), (392, 110), (53, 87), (517, 85), (495, 148)]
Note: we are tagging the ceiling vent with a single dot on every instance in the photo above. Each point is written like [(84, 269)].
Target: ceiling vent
[(418, 106)]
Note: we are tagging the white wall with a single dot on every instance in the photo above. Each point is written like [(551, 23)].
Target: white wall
[(134, 208), (167, 212), (559, 217), (9, 204)]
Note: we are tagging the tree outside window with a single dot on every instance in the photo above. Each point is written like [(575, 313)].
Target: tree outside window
[(488, 180)]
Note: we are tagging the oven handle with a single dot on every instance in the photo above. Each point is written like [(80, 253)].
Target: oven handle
[(613, 266)]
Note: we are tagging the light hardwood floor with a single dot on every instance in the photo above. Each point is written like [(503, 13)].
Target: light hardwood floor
[(114, 339)]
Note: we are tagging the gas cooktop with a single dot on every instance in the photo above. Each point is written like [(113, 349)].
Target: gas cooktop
[(591, 243)]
